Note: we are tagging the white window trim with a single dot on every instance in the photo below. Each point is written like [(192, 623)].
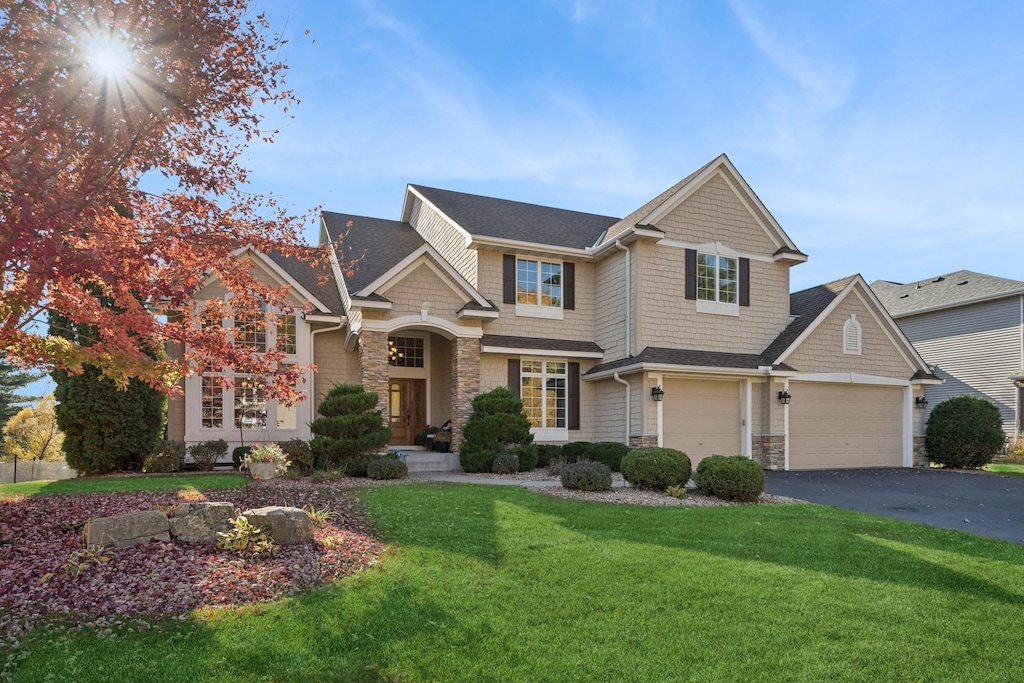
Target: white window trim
[(539, 310), (854, 325), (549, 433), (717, 307)]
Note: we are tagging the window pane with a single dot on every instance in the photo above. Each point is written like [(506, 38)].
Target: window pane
[(551, 284), (212, 403), (533, 400), (251, 331), (706, 277), (405, 352), (526, 282), (727, 278), (250, 405), (286, 334), (532, 366), (554, 411)]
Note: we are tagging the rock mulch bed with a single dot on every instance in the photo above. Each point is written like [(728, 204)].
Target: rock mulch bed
[(140, 584)]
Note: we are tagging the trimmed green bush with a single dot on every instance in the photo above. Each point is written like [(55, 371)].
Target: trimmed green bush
[(167, 458), (548, 452), (730, 477), (238, 455), (575, 451), (386, 468), (610, 453), (299, 454), (656, 468), (505, 463), (527, 457), (496, 425), (206, 454), (964, 432), (349, 431), (587, 476)]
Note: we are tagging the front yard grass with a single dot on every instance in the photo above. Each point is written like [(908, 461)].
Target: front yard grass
[(153, 482), (492, 583), (1010, 469)]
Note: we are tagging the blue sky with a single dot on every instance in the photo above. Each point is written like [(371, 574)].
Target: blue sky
[(885, 137)]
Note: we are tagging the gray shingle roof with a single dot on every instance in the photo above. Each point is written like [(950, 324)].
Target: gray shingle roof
[(506, 219), (536, 343), (689, 358), (944, 291), (807, 305), (369, 246), (318, 281)]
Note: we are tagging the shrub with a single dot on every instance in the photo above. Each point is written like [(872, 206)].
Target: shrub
[(676, 492), (349, 430), (166, 458), (238, 454), (527, 456), (610, 453), (732, 477), (206, 454), (386, 468), (1015, 453), (547, 453), (656, 468), (575, 451), (497, 424), (326, 476), (299, 454), (505, 463), (587, 476), (964, 432)]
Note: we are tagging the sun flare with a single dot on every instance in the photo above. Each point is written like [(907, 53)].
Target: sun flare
[(109, 58)]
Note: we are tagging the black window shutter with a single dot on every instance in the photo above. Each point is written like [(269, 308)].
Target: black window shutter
[(691, 274), (574, 395), (569, 286), (513, 377), (509, 279), (744, 282)]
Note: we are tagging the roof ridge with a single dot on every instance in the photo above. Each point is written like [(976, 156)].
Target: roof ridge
[(512, 201)]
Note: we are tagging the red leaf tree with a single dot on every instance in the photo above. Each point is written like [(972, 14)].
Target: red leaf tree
[(101, 101)]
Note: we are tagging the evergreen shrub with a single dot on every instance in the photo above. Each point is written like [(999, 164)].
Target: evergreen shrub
[(656, 468), (730, 477), (964, 432), (587, 476), (349, 430), (496, 425)]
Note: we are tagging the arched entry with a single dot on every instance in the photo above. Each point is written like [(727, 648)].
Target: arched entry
[(419, 382)]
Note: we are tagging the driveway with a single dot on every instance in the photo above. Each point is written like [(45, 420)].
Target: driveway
[(983, 504)]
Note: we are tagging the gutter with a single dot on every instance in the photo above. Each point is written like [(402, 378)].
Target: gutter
[(312, 375), (629, 389), (629, 274)]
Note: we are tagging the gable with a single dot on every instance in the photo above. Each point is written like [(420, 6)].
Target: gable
[(264, 273), (822, 351), (424, 284), (715, 212)]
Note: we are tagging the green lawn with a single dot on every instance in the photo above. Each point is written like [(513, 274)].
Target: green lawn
[(156, 482), (1007, 468), (495, 583)]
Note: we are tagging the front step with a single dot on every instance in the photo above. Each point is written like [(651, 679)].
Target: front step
[(429, 461)]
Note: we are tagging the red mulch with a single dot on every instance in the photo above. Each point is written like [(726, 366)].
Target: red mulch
[(145, 583)]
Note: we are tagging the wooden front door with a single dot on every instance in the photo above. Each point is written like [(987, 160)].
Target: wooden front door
[(407, 409)]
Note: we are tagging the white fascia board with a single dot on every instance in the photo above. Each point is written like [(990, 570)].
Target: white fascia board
[(676, 371), (713, 248), (891, 329), (369, 303), (540, 352), (814, 324), (849, 378), (570, 253), (290, 281), (315, 318), (407, 211), (435, 261), (797, 258), (934, 382), (682, 193), (419, 320), (480, 315)]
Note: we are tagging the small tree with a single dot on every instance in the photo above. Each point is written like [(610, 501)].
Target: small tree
[(497, 424), (349, 431), (964, 432), (13, 378), (33, 434)]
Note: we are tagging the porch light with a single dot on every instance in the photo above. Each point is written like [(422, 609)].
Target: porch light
[(785, 397), (921, 402), (657, 393)]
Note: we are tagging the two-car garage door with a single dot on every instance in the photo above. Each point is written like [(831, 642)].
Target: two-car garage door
[(844, 425)]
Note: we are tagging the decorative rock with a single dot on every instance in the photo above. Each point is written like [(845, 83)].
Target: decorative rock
[(286, 525), (128, 529), (200, 522)]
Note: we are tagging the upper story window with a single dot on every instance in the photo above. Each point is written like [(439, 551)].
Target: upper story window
[(538, 283), (286, 334), (717, 278), (852, 336), (251, 329)]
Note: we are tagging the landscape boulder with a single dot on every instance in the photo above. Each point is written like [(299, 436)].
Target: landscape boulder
[(128, 529), (200, 522), (286, 525)]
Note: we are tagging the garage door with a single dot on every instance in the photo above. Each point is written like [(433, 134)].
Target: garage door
[(702, 418), (844, 425)]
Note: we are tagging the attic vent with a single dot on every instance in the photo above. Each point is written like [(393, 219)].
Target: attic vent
[(961, 283), (851, 336), (939, 279), (904, 296)]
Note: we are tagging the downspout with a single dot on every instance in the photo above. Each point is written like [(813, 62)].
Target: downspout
[(312, 375), (628, 412), (618, 245)]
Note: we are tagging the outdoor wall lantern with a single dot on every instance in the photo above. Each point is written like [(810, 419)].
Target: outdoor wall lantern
[(784, 397), (657, 393), (921, 402)]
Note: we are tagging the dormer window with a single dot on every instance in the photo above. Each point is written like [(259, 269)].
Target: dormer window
[(852, 336)]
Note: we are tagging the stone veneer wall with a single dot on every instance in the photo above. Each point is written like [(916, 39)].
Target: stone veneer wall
[(373, 366), (920, 456), (465, 384), (769, 450), (643, 441)]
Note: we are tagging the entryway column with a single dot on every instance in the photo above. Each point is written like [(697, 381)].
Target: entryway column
[(465, 384), (373, 366)]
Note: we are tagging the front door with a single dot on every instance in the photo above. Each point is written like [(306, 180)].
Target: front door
[(407, 409)]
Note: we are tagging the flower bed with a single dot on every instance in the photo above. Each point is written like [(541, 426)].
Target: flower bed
[(143, 583)]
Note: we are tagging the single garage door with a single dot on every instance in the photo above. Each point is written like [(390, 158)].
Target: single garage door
[(845, 425), (701, 417)]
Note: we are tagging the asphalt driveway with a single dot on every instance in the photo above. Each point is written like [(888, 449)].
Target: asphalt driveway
[(983, 504)]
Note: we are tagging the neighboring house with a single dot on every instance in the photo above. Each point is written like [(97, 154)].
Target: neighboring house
[(970, 328), (673, 326)]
